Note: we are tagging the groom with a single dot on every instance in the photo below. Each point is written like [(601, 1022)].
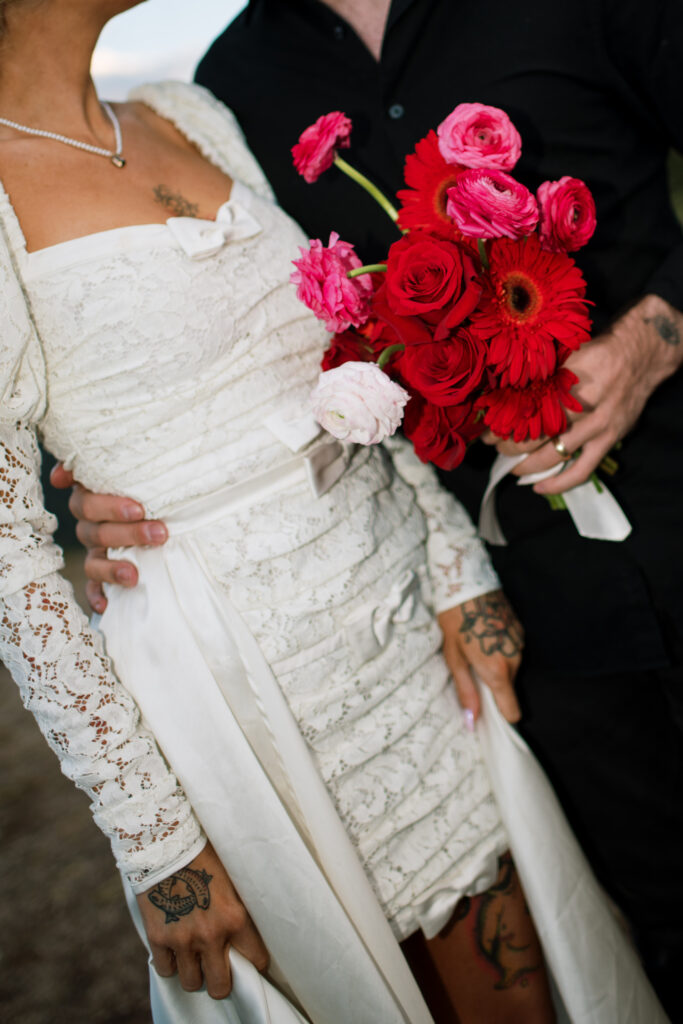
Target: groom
[(594, 87)]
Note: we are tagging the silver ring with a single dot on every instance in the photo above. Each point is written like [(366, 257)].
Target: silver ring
[(564, 454)]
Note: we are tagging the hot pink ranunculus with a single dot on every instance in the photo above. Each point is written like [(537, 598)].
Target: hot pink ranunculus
[(475, 135), (491, 204), (316, 149), (567, 214), (358, 402), (323, 286)]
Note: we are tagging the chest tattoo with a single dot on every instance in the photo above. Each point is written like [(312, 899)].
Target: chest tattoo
[(178, 205)]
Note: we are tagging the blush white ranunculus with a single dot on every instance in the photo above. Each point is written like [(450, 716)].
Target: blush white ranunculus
[(357, 402)]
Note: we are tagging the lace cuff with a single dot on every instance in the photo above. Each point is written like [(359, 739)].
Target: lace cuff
[(459, 566)]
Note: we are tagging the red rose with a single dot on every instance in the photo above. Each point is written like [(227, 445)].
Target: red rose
[(392, 327), (426, 274), (436, 432), (444, 372)]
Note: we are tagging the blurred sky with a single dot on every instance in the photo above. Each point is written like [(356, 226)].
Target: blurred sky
[(157, 39)]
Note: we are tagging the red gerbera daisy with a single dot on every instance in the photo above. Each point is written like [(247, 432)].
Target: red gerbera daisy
[(429, 177), (531, 412), (533, 305)]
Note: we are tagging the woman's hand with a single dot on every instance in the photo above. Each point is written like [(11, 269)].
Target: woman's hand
[(485, 635), (192, 919)]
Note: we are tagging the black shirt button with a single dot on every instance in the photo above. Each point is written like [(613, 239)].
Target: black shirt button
[(396, 111), (339, 32)]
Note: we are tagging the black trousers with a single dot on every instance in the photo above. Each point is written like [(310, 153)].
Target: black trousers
[(612, 745)]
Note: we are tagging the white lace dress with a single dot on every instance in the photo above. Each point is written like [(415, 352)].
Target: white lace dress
[(163, 352)]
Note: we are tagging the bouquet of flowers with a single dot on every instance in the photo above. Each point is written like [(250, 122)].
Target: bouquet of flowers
[(468, 321)]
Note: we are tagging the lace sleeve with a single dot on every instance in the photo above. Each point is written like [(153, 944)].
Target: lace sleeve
[(87, 717), (459, 566), (56, 659)]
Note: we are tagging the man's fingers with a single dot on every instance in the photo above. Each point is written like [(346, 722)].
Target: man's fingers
[(95, 596), (518, 447), (118, 535), (217, 973), (100, 569), (104, 508), (61, 478), (580, 470)]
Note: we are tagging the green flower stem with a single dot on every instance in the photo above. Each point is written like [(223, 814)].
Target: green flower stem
[(388, 353), (556, 502), (370, 268), (596, 483), (378, 196), (609, 465), (483, 256)]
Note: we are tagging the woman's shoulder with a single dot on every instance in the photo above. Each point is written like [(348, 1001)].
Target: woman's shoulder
[(209, 124)]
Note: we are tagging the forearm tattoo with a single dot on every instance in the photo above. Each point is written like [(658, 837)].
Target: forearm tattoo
[(665, 328), (173, 201), (181, 892), (495, 939), (490, 621)]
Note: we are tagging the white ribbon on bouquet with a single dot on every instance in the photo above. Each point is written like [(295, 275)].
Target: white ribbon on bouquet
[(596, 512)]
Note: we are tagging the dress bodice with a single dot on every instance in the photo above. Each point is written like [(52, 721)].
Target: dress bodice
[(209, 341)]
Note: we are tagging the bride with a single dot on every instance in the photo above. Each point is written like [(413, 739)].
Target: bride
[(272, 715)]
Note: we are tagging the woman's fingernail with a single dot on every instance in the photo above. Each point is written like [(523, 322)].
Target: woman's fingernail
[(469, 719), (99, 607), (124, 576)]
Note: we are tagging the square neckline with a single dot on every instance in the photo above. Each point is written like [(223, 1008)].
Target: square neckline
[(18, 239)]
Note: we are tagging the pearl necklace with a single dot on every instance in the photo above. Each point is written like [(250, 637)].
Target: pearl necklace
[(114, 155)]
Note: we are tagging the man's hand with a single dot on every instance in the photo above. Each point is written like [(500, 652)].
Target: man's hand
[(617, 371), (107, 521), (484, 634), (192, 918)]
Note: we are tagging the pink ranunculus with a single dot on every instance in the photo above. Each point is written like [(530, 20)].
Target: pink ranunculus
[(358, 402), (567, 214), (475, 135), (322, 285), (491, 204), (317, 147)]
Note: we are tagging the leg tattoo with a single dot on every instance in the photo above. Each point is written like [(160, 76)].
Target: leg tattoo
[(495, 938)]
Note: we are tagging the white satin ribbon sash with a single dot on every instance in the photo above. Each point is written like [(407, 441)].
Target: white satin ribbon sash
[(596, 514)]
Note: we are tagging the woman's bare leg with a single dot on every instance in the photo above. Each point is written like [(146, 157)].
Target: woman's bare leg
[(486, 964)]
